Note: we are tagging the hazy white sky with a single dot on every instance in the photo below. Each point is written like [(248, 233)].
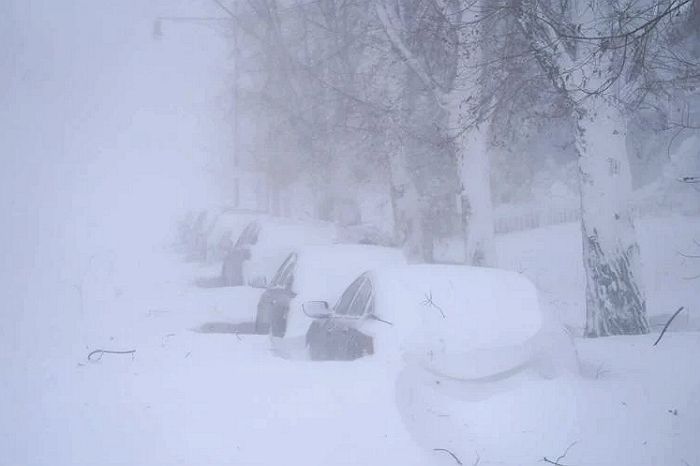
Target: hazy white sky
[(104, 131)]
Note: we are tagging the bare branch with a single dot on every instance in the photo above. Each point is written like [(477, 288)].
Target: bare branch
[(556, 462), (390, 22), (429, 302), (644, 28), (100, 352), (667, 324), (445, 450)]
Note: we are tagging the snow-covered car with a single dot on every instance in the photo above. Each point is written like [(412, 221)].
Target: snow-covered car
[(457, 321), (225, 230), (265, 243), (319, 273)]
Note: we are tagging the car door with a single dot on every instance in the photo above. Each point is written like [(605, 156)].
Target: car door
[(232, 267), (339, 338), (273, 306)]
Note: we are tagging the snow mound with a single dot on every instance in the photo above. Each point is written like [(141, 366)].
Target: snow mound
[(277, 238), (463, 322)]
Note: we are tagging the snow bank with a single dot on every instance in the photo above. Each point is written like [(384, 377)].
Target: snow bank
[(464, 322)]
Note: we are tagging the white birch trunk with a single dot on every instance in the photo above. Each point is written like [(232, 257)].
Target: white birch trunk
[(404, 199), (471, 151), (470, 144), (615, 302)]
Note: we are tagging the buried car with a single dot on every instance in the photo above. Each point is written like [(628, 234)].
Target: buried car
[(315, 272), (263, 245), (225, 230), (457, 321)]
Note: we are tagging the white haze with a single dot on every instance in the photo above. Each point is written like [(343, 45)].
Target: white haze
[(105, 131), (109, 133)]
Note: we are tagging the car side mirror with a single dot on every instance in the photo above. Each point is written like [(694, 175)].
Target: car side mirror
[(316, 309), (258, 282)]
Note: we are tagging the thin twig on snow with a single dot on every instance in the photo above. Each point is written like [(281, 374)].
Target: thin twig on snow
[(445, 450), (667, 324), (556, 462), (101, 352), (429, 302)]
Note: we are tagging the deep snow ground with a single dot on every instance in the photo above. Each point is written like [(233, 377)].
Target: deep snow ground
[(186, 397), (195, 398), (551, 258), (637, 405)]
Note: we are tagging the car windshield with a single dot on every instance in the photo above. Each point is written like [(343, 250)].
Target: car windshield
[(249, 236), (284, 278), (343, 305), (361, 299)]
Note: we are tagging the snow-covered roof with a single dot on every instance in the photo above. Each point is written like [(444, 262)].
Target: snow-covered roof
[(277, 238), (229, 223), (323, 272)]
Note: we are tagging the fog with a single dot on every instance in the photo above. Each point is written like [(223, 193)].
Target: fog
[(349, 232), (106, 132)]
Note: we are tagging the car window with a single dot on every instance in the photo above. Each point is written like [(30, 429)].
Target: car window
[(362, 299), (342, 307), (284, 278), (249, 236), (370, 305)]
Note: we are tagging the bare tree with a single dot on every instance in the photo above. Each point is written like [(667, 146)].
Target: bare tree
[(593, 54), (456, 87)]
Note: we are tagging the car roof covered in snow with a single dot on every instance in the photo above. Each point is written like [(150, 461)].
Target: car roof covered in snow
[(230, 222), (451, 316), (278, 237), (323, 272)]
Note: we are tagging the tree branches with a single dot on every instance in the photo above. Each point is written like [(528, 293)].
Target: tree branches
[(635, 33)]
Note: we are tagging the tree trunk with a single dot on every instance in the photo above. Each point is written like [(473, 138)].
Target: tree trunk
[(472, 154), (404, 199), (615, 303)]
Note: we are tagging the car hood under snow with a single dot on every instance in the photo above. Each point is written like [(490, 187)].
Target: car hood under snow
[(459, 321)]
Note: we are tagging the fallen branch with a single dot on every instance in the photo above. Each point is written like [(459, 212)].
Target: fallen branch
[(102, 352), (667, 324), (556, 462), (445, 450), (477, 460), (429, 302)]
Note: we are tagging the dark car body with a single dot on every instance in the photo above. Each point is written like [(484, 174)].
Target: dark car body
[(232, 267), (320, 272), (273, 306), (338, 336)]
